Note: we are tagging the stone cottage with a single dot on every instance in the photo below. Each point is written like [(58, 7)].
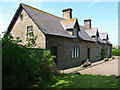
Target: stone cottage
[(69, 41)]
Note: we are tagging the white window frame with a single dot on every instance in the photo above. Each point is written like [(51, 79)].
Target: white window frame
[(78, 52), (72, 52), (29, 30), (75, 52)]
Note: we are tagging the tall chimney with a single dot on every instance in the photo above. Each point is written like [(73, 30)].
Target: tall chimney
[(87, 23), (67, 13)]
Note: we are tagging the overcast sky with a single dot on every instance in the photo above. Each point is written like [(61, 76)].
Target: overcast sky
[(104, 15)]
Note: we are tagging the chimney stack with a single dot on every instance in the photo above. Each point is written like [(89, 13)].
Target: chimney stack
[(67, 13), (87, 23)]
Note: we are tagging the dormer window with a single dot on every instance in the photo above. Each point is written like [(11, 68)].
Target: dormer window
[(75, 32), (93, 37)]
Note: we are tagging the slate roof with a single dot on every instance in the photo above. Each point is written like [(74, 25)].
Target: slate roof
[(54, 25), (92, 31), (48, 23), (101, 40), (84, 35), (104, 37), (101, 36), (108, 42)]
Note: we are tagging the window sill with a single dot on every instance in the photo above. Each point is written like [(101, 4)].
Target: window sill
[(75, 57), (98, 56), (75, 37)]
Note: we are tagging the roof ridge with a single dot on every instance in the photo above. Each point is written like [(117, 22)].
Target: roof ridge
[(40, 10)]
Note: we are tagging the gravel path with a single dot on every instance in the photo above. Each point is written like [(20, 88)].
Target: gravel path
[(107, 68)]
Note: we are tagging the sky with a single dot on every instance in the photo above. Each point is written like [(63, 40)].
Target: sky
[(104, 15)]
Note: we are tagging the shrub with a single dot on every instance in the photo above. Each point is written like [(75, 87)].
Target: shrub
[(116, 52), (22, 66)]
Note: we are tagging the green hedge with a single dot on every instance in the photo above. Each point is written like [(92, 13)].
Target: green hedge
[(116, 52), (21, 67)]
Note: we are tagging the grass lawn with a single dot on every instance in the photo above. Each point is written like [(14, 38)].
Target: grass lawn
[(82, 81)]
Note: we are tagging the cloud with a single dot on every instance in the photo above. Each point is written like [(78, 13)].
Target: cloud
[(108, 25), (93, 3)]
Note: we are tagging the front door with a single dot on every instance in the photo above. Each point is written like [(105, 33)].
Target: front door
[(54, 53), (88, 53)]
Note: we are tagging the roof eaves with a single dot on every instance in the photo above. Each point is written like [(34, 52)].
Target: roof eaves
[(60, 36), (89, 40)]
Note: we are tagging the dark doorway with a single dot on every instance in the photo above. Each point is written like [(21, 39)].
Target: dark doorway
[(54, 53), (110, 53), (88, 53)]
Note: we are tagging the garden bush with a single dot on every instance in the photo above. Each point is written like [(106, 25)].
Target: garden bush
[(116, 52), (22, 66)]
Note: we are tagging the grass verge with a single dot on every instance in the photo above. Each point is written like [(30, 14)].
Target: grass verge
[(82, 81)]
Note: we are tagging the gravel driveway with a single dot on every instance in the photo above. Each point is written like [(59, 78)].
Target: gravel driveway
[(107, 68)]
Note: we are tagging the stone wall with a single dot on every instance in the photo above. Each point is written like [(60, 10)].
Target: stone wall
[(20, 30), (65, 45)]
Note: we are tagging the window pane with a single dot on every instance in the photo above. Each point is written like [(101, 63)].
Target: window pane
[(30, 29), (72, 52), (75, 32), (75, 52), (78, 52)]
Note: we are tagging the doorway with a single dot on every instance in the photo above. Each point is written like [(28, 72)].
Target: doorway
[(54, 53), (88, 53)]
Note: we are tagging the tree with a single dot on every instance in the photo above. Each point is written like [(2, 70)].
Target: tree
[(22, 66)]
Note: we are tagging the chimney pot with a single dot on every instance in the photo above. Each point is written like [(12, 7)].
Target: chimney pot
[(67, 13), (87, 23)]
